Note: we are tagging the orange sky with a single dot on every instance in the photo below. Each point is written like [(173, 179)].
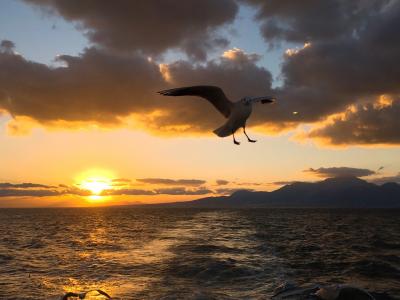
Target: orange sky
[(69, 157)]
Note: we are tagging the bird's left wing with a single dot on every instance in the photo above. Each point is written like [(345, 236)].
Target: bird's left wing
[(213, 94)]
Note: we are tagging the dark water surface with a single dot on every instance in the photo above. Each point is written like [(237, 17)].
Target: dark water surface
[(137, 253)]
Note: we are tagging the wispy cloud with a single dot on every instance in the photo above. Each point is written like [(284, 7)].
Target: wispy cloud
[(130, 192), (183, 191), (39, 190), (340, 171), (167, 181), (125, 180), (28, 192), (24, 185), (386, 179), (221, 182), (284, 182)]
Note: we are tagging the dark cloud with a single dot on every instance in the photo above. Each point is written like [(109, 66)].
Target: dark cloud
[(72, 190), (221, 182), (101, 87), (130, 192), (247, 183), (367, 124), (149, 26), (24, 185), (344, 61), (284, 182), (95, 86), (27, 193), (167, 181), (340, 172), (39, 190), (27, 189), (161, 191), (325, 77), (313, 20), (7, 46), (183, 191)]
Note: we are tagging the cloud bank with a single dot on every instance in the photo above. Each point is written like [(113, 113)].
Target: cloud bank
[(151, 26), (335, 66), (369, 123)]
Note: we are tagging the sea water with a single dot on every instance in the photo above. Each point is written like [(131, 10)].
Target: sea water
[(180, 253)]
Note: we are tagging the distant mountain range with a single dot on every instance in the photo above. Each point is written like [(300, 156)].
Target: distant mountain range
[(340, 192)]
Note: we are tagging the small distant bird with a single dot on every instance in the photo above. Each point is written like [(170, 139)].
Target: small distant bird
[(237, 113)]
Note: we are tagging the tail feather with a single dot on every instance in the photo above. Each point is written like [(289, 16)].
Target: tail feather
[(223, 131)]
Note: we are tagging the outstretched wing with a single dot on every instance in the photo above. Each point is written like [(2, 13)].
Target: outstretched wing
[(104, 294), (213, 94), (83, 295)]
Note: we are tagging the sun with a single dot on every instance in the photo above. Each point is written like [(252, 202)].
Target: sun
[(96, 185), (95, 181)]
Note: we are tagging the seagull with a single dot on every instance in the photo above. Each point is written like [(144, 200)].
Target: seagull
[(236, 113), (83, 295)]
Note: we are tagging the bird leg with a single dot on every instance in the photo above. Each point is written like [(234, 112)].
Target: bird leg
[(249, 139), (234, 140)]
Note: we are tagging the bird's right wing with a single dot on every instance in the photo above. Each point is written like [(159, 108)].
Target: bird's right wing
[(213, 94)]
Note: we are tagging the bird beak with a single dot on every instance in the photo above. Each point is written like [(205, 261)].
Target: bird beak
[(268, 100), (264, 100)]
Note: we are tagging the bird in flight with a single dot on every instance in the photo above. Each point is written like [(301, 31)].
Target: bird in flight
[(236, 113), (83, 295)]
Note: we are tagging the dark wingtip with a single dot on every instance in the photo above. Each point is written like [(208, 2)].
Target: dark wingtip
[(104, 294), (165, 92)]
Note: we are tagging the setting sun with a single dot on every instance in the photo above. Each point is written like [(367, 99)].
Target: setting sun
[(95, 181), (95, 185)]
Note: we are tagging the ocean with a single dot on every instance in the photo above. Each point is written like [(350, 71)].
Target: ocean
[(180, 253)]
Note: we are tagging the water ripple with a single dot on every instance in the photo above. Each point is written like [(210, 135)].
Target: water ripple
[(134, 253)]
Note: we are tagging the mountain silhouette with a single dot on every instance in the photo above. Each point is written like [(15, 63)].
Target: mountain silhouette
[(339, 192)]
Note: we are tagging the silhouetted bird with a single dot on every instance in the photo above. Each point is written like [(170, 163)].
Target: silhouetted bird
[(83, 295), (237, 113)]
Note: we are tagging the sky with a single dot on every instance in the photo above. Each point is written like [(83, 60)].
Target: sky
[(81, 123)]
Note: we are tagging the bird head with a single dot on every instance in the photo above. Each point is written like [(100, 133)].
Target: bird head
[(263, 100), (246, 100)]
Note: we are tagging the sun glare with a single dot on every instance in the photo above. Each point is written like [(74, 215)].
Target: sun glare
[(95, 185), (95, 181)]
